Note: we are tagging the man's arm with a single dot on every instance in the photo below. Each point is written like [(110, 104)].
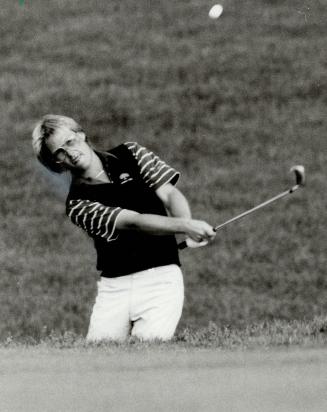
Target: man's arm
[(177, 205), (104, 222), (174, 201), (197, 230)]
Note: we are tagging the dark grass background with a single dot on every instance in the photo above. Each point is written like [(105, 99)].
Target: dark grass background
[(232, 104)]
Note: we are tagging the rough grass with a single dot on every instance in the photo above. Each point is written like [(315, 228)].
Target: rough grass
[(232, 103), (263, 336)]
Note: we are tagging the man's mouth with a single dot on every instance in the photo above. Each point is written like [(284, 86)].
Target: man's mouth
[(75, 159)]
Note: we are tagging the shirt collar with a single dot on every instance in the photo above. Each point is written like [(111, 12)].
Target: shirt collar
[(107, 159)]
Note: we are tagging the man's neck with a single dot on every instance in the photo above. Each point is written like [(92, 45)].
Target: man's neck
[(95, 167), (95, 172)]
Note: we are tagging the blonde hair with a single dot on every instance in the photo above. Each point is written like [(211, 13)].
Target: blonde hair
[(45, 128)]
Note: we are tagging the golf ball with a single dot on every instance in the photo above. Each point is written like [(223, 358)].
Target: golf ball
[(215, 11)]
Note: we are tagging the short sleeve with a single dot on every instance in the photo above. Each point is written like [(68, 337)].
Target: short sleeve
[(154, 171), (93, 217)]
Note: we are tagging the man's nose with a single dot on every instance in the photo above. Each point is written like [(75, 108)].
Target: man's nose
[(71, 152)]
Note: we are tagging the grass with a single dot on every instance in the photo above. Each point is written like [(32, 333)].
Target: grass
[(231, 103), (259, 336)]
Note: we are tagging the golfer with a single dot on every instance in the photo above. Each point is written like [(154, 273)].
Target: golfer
[(126, 200)]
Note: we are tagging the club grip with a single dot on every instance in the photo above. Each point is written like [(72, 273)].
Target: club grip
[(182, 245)]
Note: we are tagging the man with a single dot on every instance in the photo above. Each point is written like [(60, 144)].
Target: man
[(122, 199)]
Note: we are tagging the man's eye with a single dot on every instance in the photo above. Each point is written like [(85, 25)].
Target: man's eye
[(70, 142)]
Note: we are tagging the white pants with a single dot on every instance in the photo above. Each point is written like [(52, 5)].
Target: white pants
[(145, 304)]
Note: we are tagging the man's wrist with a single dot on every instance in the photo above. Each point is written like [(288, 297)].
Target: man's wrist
[(181, 224)]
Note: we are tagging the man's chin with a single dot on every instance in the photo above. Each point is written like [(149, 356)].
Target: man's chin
[(77, 168), (81, 166)]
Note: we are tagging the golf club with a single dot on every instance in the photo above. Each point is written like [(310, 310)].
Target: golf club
[(300, 180)]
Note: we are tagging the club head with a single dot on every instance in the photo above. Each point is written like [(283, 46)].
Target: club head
[(299, 174)]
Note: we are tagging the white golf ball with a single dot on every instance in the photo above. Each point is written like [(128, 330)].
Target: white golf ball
[(215, 11)]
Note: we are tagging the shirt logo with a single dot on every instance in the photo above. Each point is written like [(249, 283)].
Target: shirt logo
[(124, 178)]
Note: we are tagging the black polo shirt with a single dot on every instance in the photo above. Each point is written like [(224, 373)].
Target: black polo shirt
[(135, 174)]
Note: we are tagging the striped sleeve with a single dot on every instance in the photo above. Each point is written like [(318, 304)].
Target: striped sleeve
[(153, 170), (93, 217)]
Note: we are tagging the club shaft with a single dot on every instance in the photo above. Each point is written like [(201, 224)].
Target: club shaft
[(254, 209), (183, 244)]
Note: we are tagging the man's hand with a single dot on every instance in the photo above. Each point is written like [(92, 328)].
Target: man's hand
[(199, 231), (192, 244)]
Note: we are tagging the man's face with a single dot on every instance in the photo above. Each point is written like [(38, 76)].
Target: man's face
[(69, 149)]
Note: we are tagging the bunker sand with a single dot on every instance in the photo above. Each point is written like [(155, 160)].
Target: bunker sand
[(42, 379)]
